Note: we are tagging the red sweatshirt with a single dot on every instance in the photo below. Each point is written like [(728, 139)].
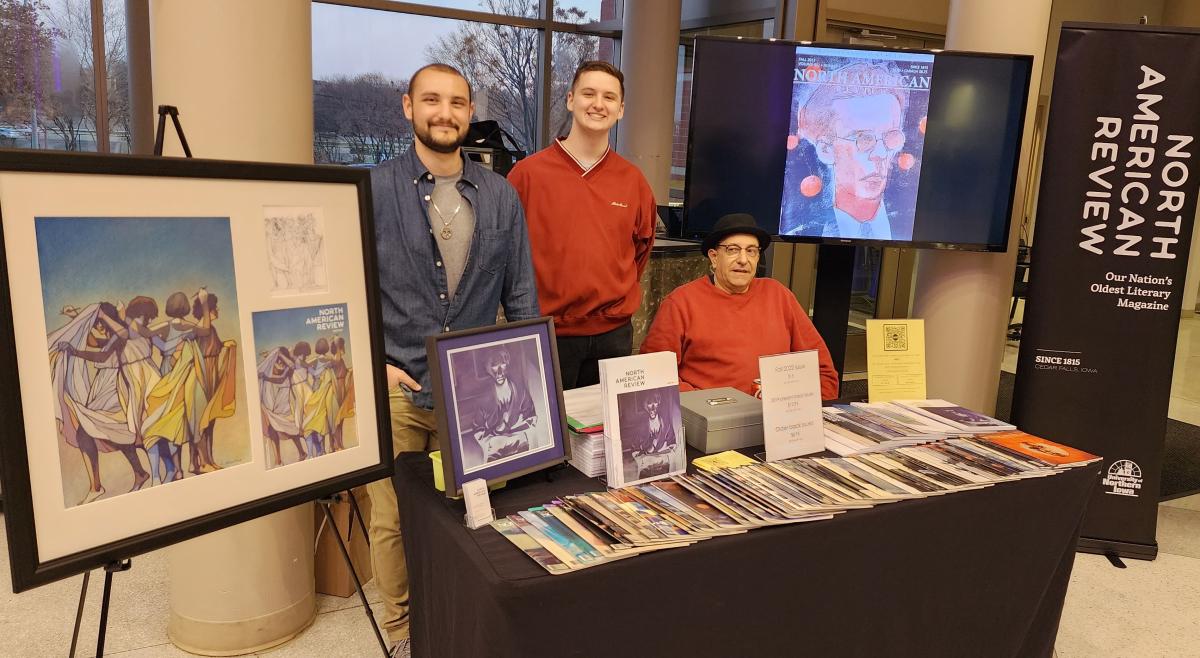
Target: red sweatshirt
[(717, 337), (591, 234)]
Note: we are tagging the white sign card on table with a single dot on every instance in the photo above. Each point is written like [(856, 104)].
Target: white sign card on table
[(791, 395), (478, 503)]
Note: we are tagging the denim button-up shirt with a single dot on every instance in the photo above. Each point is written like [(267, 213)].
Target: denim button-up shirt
[(412, 279)]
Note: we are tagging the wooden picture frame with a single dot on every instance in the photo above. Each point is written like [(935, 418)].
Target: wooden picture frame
[(498, 400), (158, 388)]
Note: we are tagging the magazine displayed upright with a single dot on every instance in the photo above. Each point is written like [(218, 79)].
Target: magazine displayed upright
[(643, 426)]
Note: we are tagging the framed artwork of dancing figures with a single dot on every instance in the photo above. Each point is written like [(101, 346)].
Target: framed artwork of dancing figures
[(192, 344)]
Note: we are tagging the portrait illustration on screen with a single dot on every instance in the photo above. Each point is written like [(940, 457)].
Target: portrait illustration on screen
[(854, 157)]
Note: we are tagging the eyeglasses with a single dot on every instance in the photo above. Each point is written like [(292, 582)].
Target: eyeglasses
[(734, 251), (865, 140)]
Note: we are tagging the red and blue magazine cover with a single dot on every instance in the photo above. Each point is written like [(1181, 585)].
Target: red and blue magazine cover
[(854, 152)]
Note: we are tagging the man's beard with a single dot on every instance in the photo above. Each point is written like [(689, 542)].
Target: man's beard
[(425, 135)]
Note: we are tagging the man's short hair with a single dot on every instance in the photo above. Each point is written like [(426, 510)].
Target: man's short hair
[(444, 68), (602, 67), (816, 116)]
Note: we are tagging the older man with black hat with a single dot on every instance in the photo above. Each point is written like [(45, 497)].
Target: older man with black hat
[(719, 324)]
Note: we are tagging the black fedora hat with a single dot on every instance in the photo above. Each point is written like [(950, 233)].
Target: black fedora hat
[(735, 224)]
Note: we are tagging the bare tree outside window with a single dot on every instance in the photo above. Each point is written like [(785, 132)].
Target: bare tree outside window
[(47, 75), (359, 119), (32, 87), (73, 112), (358, 115), (116, 63), (502, 63), (571, 50)]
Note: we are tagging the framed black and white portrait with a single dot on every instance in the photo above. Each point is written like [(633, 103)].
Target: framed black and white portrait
[(498, 401)]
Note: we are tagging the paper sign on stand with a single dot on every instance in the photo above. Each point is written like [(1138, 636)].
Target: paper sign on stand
[(895, 360), (791, 395), (479, 504)]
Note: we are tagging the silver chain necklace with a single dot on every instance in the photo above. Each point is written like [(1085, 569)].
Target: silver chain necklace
[(446, 232)]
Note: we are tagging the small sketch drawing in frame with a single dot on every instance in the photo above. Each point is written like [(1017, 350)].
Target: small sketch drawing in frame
[(498, 401), (295, 238)]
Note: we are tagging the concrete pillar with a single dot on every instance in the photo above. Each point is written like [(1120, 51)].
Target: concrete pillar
[(964, 297), (241, 75), (649, 60), (1186, 13)]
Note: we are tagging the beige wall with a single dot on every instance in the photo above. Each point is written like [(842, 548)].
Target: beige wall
[(924, 11), (1184, 13), (732, 11)]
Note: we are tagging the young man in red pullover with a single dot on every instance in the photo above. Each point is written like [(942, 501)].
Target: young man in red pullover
[(591, 217), (718, 325)]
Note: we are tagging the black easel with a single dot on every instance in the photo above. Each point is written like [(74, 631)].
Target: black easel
[(109, 570), (831, 300), (327, 505), (163, 111), (358, 515)]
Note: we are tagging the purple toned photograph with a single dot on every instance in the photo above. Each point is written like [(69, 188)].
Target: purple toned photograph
[(651, 433), (499, 401)]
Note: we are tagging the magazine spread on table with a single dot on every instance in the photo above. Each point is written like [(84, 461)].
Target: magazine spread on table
[(731, 493)]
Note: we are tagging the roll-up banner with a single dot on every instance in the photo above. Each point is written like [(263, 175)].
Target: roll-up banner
[(1114, 225)]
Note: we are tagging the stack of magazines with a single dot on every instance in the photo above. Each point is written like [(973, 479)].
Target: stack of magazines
[(585, 530), (868, 427), (587, 453)]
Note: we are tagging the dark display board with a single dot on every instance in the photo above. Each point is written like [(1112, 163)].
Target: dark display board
[(1114, 227)]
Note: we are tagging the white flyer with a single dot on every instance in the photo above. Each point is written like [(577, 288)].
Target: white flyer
[(791, 396), (479, 504)]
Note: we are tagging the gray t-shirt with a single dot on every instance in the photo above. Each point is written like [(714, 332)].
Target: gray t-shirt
[(451, 213)]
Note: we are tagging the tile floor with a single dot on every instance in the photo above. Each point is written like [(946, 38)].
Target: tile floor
[(1149, 609)]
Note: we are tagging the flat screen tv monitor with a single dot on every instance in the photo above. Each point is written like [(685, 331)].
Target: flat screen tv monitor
[(841, 144)]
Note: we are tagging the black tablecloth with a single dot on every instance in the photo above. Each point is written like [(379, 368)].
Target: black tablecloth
[(977, 573)]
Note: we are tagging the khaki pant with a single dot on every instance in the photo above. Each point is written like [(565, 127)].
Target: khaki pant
[(413, 430)]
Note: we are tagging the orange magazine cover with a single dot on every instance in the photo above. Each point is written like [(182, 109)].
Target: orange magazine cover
[(1045, 450)]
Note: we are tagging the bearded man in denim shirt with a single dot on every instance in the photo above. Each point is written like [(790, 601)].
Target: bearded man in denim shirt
[(452, 248)]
